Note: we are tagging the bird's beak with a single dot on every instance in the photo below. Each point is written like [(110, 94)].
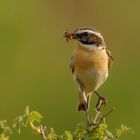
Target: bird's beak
[(69, 36)]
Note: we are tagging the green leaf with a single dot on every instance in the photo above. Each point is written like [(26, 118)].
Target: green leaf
[(5, 130), (109, 135), (1, 130), (27, 110), (51, 135), (35, 116), (122, 130), (68, 135), (2, 137)]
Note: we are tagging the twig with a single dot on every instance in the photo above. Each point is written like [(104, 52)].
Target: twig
[(104, 116), (42, 132)]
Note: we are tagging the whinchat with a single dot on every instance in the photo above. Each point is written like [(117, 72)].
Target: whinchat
[(90, 64)]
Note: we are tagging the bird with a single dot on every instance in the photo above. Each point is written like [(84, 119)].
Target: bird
[(90, 63)]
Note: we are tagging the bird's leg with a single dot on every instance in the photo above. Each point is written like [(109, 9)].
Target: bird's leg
[(101, 102), (83, 106), (87, 115), (88, 100), (94, 121)]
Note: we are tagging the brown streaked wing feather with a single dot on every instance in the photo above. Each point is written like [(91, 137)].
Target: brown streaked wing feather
[(72, 65), (110, 58)]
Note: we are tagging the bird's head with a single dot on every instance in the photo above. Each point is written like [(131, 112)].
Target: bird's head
[(86, 37)]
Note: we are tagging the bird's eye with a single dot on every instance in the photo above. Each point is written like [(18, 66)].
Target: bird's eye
[(86, 33)]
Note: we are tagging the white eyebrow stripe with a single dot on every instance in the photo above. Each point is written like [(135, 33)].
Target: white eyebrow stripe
[(90, 31)]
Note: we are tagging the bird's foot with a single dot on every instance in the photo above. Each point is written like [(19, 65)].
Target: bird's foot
[(100, 117), (97, 115), (101, 102)]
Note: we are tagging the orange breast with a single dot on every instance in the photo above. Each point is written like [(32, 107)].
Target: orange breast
[(85, 59), (91, 67)]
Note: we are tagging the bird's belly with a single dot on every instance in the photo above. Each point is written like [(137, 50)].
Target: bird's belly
[(92, 79), (91, 68)]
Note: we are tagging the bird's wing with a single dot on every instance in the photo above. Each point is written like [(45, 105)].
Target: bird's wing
[(72, 67), (110, 58)]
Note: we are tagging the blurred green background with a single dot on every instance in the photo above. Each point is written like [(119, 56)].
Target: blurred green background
[(34, 60)]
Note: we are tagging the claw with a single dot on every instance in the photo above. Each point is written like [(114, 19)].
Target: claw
[(101, 101)]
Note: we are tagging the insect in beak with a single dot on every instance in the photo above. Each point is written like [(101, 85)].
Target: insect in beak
[(69, 36)]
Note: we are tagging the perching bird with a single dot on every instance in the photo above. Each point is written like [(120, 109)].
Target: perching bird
[(90, 64)]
